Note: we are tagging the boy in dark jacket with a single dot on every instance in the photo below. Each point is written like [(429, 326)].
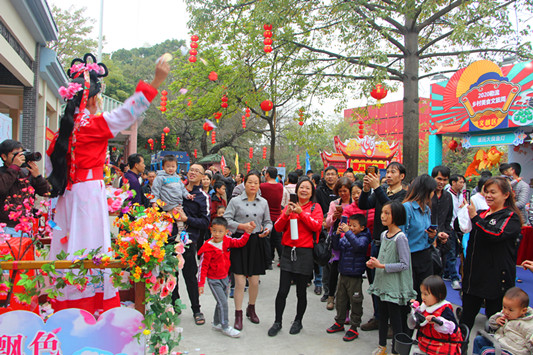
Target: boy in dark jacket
[(352, 265), (214, 265)]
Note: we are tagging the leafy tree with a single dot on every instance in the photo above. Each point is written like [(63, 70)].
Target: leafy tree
[(74, 28), (394, 41)]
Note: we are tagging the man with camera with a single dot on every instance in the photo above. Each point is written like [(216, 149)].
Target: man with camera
[(19, 171)]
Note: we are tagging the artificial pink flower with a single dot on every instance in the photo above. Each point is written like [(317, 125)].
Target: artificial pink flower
[(171, 283), (165, 292), (155, 288), (179, 248), (163, 350), (77, 67)]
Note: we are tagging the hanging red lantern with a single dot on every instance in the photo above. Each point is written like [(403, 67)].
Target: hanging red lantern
[(267, 49), (217, 116), (267, 27), (207, 127), (194, 45), (267, 34), (194, 38), (379, 93), (251, 153), (301, 123), (164, 93), (453, 145), (268, 41), (195, 153), (164, 99), (224, 105), (266, 106), (177, 141), (193, 52), (166, 130), (213, 137), (283, 164), (192, 59), (213, 76), (150, 141), (243, 122), (264, 152)]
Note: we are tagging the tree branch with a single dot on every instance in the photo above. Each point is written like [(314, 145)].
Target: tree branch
[(448, 54), (440, 14)]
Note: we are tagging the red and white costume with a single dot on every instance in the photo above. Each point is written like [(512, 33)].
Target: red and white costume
[(82, 211)]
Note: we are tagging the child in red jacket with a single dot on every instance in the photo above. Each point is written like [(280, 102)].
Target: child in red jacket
[(214, 265)]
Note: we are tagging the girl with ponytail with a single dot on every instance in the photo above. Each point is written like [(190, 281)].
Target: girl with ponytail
[(76, 157)]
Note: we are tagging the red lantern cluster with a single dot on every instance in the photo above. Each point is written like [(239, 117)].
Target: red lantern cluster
[(214, 137), (251, 153), (247, 166), (163, 146), (247, 112), (266, 106), (301, 116), (361, 126), (195, 153), (193, 52), (268, 38), (264, 153), (298, 166), (207, 127), (224, 103), (177, 141), (453, 145), (217, 116), (243, 122), (379, 93), (163, 104), (151, 142)]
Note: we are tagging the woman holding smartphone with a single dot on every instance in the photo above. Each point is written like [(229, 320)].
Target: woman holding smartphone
[(343, 189), (300, 224), (418, 228)]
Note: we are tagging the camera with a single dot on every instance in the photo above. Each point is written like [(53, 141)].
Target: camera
[(30, 156)]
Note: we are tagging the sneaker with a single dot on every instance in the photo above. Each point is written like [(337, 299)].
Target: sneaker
[(274, 329), (217, 327), (335, 328), (318, 290), (381, 350), (456, 285), (446, 278), (351, 334), (372, 324), (231, 332), (323, 298), (296, 327)]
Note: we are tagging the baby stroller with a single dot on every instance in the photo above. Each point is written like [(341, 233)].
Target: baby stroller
[(405, 345)]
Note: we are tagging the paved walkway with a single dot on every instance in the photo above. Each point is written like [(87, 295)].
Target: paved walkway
[(313, 338)]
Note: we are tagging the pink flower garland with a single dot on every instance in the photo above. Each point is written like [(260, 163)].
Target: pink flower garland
[(68, 93)]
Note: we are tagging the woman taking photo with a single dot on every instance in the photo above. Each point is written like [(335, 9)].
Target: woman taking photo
[(490, 269), (297, 256), (417, 228), (248, 213), (343, 189)]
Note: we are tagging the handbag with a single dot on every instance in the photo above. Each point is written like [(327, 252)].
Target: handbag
[(322, 248)]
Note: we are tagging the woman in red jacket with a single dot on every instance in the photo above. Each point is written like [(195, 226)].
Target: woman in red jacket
[(297, 256)]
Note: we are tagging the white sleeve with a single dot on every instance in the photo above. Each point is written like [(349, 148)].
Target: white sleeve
[(130, 112)]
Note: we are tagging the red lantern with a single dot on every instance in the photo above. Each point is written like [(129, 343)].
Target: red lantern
[(213, 137), (193, 52), (164, 93), (301, 123), (453, 145), (251, 153), (268, 49), (164, 98), (192, 59), (150, 141), (217, 116), (267, 27), (243, 122), (194, 38), (379, 93), (177, 141), (267, 41), (224, 98), (166, 130), (267, 34), (163, 109), (224, 105), (194, 45), (264, 152), (213, 76), (207, 127), (195, 154), (266, 106)]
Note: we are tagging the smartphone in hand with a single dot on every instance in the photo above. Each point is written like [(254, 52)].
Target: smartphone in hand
[(344, 219), (293, 198)]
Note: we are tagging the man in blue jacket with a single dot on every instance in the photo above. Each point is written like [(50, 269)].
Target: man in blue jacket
[(195, 216)]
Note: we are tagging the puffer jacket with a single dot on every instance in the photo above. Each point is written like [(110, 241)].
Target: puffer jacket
[(516, 336), (353, 249)]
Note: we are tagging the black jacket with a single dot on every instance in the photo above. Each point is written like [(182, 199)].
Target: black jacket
[(12, 180), (490, 268), (324, 196), (197, 212), (377, 199), (442, 213)]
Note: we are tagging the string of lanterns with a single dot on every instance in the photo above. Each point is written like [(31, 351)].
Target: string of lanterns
[(268, 38), (193, 52), (163, 103)]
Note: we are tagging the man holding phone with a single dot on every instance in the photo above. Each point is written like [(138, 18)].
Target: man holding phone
[(375, 196)]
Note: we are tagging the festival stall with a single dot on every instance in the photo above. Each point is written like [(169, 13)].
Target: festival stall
[(484, 106)]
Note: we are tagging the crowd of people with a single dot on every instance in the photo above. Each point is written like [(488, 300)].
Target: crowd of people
[(405, 238)]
